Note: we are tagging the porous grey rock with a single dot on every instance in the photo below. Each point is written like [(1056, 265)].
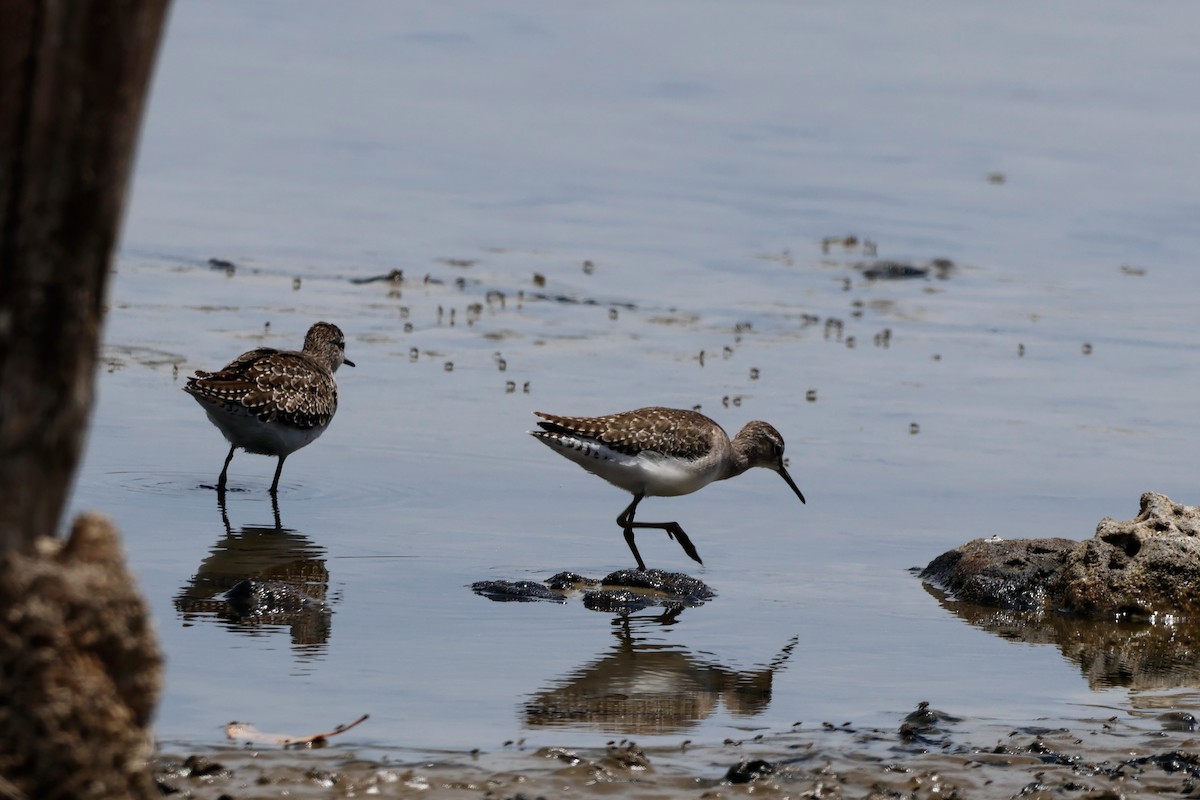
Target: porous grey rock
[(1144, 568), (1007, 573), (82, 670)]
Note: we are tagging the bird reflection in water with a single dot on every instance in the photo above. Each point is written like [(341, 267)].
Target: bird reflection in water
[(261, 579), (643, 687)]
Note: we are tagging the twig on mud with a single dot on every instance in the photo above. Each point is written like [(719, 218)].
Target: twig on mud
[(246, 730)]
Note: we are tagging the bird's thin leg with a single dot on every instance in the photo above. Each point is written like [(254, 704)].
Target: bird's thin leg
[(626, 518), (672, 528), (675, 532), (224, 513), (278, 470), (627, 524), (225, 471)]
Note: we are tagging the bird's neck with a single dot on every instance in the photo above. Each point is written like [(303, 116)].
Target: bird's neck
[(738, 460)]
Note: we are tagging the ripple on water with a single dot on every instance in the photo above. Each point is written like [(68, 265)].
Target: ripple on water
[(336, 485)]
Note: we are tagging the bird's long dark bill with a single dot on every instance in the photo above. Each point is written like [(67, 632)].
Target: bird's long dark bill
[(792, 484), (348, 362)]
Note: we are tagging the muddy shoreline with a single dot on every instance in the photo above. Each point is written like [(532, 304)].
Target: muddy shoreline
[(929, 754)]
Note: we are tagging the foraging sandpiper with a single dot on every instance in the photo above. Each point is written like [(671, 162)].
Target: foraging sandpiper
[(661, 452), (273, 402)]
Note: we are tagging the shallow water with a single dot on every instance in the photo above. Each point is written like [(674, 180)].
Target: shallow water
[(670, 172)]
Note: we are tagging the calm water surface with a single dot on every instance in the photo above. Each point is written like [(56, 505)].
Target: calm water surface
[(696, 156)]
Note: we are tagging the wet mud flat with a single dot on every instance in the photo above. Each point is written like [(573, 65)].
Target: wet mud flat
[(928, 754), (1000, 351), (481, 346)]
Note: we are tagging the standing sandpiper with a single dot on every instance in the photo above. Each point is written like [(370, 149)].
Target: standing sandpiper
[(661, 452), (273, 402)]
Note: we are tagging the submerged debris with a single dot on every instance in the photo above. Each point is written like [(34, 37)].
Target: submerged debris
[(847, 242), (224, 265), (890, 270), (395, 276)]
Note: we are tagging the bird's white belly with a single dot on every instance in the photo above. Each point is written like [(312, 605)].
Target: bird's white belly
[(649, 473), (263, 438)]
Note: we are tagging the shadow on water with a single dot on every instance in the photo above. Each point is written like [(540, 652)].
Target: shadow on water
[(259, 580), (1109, 653), (644, 687)]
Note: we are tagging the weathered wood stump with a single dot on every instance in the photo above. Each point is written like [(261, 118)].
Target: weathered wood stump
[(79, 664)]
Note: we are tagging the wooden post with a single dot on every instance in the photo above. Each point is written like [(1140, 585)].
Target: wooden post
[(73, 81), (81, 668)]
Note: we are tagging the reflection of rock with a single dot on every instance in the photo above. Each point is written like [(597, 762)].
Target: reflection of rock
[(260, 578), (251, 598), (1147, 568), (624, 591), (629, 590), (1108, 652), (645, 688)]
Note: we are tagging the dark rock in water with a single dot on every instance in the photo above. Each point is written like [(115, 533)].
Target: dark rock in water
[(747, 771), (926, 719), (622, 592), (1144, 568), (1016, 573), (569, 580), (196, 766), (517, 591), (629, 590), (676, 584), (1188, 763), (892, 270)]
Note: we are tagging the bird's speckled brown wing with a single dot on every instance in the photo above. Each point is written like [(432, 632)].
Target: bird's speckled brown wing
[(273, 385), (677, 432)]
